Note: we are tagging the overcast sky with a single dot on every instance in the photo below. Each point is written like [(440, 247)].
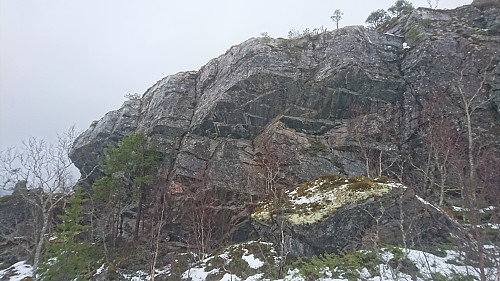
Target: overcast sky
[(65, 62)]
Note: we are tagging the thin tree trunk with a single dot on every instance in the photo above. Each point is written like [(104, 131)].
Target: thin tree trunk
[(139, 213), (475, 221), (282, 248), (441, 192), (470, 143), (365, 154), (480, 248), (155, 257), (380, 163), (41, 240), (469, 109), (202, 233)]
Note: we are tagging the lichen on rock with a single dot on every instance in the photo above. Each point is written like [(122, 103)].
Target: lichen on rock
[(334, 213), (312, 201)]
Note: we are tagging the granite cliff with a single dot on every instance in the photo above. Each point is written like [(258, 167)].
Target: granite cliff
[(310, 106)]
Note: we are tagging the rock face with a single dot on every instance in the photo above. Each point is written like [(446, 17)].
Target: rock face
[(293, 107), (303, 86), (476, 2), (16, 229)]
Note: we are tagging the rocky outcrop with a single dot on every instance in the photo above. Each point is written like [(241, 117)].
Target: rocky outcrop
[(260, 83), (295, 105), (334, 213), (17, 225)]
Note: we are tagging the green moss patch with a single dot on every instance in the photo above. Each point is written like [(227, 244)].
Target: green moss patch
[(312, 201)]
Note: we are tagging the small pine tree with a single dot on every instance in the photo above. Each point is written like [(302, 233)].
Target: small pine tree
[(377, 18), (129, 171), (400, 7), (66, 257), (336, 17)]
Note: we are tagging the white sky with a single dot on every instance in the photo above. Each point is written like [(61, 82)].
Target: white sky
[(68, 62)]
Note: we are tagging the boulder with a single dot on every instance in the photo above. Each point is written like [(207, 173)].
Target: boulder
[(335, 213)]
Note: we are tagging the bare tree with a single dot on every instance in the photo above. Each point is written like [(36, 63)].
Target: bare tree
[(372, 133), (469, 101), (160, 200), (201, 204), (477, 245), (47, 172), (433, 4), (457, 153), (357, 127), (273, 173), (440, 141), (448, 127), (471, 94)]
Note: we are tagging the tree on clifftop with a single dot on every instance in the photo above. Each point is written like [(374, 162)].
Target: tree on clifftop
[(400, 7), (377, 18), (336, 17)]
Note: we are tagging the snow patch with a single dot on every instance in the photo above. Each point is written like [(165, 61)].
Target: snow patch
[(17, 272), (255, 277), (482, 211), (429, 264), (459, 209), (137, 276), (364, 274), (224, 256), (100, 270), (489, 208), (307, 200), (428, 203), (252, 261), (387, 256), (494, 225), (198, 273), (230, 277)]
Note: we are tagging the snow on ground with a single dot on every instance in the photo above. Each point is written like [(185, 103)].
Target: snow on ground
[(100, 269), (482, 211), (255, 277), (16, 272), (137, 276), (308, 200), (230, 277), (429, 264), (428, 203), (198, 273), (252, 261)]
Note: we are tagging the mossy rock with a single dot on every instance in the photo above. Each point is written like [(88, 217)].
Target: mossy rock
[(312, 201)]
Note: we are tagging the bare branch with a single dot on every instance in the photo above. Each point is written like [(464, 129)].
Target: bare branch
[(45, 171)]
